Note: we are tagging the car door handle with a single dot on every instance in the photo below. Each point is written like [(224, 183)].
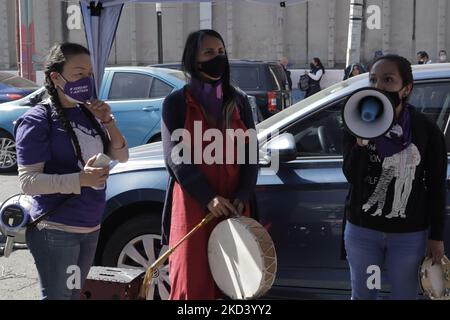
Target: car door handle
[(149, 109)]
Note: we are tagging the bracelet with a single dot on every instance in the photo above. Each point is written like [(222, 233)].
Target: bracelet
[(111, 119)]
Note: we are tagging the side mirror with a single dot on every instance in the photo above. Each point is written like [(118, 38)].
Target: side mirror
[(36, 98), (282, 146)]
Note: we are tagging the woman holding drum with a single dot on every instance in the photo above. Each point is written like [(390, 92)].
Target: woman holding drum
[(210, 106)]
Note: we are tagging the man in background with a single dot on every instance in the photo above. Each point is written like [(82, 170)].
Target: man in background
[(284, 63)]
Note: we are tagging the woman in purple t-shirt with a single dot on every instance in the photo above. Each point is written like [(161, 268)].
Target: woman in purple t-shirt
[(57, 142)]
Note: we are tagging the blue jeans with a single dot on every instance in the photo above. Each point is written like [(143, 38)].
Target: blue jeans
[(397, 254), (54, 252)]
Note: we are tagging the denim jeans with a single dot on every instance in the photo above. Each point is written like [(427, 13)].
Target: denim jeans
[(396, 254), (54, 252)]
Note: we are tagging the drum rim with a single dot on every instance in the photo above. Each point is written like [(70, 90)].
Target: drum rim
[(426, 292), (266, 283)]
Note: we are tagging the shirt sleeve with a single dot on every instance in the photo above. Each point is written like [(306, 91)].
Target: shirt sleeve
[(33, 137), (187, 175), (33, 181), (121, 154), (354, 158), (316, 76)]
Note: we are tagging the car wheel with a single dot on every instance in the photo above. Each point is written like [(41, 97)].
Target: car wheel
[(136, 245), (8, 157)]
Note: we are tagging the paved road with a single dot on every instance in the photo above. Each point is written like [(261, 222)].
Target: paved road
[(18, 275)]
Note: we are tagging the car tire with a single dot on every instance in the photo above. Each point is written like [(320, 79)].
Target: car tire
[(8, 156), (136, 244)]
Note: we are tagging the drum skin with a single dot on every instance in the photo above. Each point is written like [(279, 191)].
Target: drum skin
[(242, 258)]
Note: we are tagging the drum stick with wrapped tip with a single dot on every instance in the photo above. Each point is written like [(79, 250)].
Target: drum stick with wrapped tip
[(160, 261)]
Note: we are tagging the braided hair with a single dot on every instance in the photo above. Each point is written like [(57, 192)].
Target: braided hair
[(58, 56)]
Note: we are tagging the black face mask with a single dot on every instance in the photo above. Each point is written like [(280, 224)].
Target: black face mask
[(394, 97), (420, 62), (312, 65), (214, 67)]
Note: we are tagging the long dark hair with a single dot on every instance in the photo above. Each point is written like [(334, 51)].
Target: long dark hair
[(190, 68), (57, 58), (320, 65)]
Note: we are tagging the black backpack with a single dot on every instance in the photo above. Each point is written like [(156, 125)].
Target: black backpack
[(303, 82)]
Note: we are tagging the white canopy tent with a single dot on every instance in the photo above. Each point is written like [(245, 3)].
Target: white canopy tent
[(101, 19)]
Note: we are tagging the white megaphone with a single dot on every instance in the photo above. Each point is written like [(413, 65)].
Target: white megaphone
[(368, 113), (14, 217)]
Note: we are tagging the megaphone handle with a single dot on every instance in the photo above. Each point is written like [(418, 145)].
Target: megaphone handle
[(8, 246), (362, 142)]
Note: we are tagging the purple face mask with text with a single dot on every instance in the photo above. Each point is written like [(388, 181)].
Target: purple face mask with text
[(79, 91)]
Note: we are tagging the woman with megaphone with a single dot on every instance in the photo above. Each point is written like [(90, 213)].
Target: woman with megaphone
[(395, 160)]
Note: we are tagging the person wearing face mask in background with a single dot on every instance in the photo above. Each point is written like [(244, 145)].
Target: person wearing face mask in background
[(423, 58), (315, 75), (442, 56), (353, 70), (57, 141), (222, 188), (397, 197)]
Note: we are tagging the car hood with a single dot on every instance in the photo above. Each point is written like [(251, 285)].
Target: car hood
[(148, 156)]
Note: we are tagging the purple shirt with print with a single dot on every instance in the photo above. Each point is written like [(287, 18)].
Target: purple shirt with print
[(38, 141)]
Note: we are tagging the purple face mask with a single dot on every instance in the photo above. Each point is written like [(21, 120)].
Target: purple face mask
[(79, 91)]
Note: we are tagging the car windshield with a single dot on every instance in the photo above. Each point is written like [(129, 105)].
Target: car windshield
[(277, 76), (245, 77), (177, 74), (307, 102)]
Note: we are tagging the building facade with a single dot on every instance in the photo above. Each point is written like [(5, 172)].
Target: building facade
[(317, 28)]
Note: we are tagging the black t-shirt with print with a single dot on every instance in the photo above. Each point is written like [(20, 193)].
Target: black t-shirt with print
[(402, 193)]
